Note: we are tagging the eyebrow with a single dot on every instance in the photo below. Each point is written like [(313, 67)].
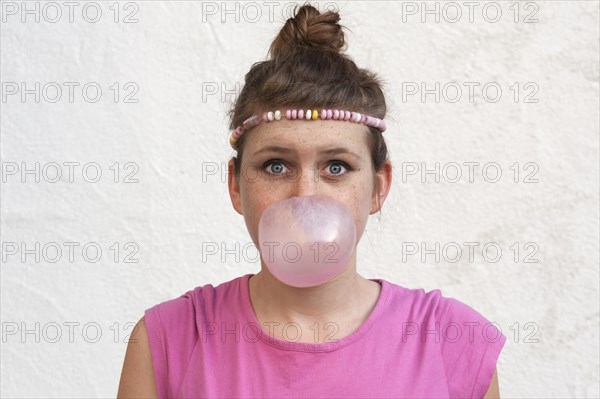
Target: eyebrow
[(285, 150)]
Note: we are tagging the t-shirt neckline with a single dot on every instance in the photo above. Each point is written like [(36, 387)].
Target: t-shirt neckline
[(310, 346)]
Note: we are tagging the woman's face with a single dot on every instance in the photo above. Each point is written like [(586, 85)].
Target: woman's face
[(287, 158)]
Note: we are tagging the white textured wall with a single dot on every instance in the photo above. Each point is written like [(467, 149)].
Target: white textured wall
[(172, 134)]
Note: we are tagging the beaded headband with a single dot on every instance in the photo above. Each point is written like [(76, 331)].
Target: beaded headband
[(291, 114)]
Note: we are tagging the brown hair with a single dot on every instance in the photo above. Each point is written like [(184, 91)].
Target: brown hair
[(308, 70)]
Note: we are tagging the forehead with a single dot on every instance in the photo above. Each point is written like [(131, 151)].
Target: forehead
[(309, 136)]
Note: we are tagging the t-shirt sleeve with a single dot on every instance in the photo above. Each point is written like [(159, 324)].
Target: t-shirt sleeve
[(172, 334), (470, 346)]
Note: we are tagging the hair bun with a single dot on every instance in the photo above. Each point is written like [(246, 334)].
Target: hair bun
[(309, 29)]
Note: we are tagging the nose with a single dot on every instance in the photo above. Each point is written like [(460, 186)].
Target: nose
[(305, 182)]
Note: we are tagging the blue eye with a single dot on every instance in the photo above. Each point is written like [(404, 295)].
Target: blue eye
[(336, 167), (274, 166)]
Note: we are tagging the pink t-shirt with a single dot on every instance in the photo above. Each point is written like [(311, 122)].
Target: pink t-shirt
[(414, 344)]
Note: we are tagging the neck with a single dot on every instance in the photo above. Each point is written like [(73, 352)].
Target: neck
[(277, 301)]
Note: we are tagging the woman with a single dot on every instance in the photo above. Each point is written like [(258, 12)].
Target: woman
[(256, 336)]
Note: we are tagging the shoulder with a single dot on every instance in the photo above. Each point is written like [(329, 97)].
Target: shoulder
[(174, 322), (137, 377), (470, 346), (174, 311), (469, 343), (174, 327), (170, 326), (415, 305), (183, 312), (447, 313)]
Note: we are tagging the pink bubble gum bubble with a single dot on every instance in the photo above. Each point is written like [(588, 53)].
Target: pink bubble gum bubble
[(306, 241)]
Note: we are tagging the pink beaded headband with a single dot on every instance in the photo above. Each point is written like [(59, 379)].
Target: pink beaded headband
[(291, 114)]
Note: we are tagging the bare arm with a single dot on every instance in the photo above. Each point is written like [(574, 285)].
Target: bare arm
[(137, 376), (493, 391)]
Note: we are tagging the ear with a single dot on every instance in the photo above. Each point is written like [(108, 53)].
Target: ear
[(383, 182), (234, 187)]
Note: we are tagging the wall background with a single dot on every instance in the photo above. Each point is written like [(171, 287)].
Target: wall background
[(180, 61)]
